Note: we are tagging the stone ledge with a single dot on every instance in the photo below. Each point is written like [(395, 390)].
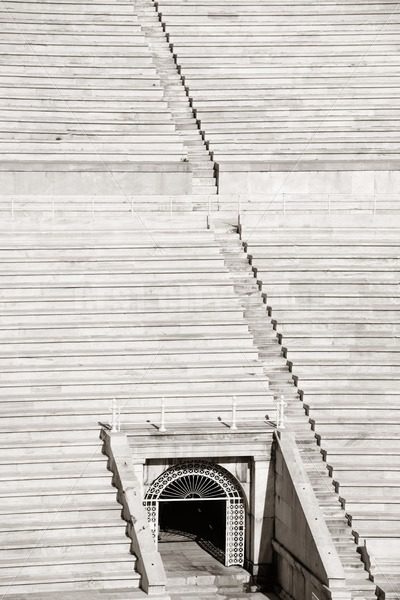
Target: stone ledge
[(316, 558), (149, 563), (100, 166), (300, 165)]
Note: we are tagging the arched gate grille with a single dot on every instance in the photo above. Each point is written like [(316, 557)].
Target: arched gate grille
[(197, 480)]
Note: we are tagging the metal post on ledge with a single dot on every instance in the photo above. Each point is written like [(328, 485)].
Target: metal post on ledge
[(170, 206), (284, 203), (116, 416), (329, 204), (280, 413), (234, 412), (374, 206), (162, 428)]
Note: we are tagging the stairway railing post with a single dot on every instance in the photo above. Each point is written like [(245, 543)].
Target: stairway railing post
[(115, 416), (280, 413)]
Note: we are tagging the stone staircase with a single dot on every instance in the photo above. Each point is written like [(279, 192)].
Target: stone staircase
[(281, 383), (194, 574), (203, 178)]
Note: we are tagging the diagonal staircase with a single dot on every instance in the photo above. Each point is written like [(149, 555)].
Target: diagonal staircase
[(174, 92)]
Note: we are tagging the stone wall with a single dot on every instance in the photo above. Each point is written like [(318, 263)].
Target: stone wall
[(342, 179), (306, 561)]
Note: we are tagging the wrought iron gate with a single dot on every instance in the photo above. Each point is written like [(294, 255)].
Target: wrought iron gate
[(196, 480)]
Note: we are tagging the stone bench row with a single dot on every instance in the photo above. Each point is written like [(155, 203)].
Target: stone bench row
[(290, 43), (127, 277), (100, 374), (268, 63), (202, 11), (128, 291), (106, 361), (99, 317), (311, 264), (63, 123), (89, 87), (109, 306), (352, 350), (170, 265), (188, 48), (193, 346)]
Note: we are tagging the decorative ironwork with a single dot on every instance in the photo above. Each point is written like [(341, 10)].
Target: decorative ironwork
[(191, 487), (197, 480), (235, 532)]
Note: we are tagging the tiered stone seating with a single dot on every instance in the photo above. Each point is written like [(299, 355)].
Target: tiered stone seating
[(79, 91), (91, 313), (290, 83), (333, 297)]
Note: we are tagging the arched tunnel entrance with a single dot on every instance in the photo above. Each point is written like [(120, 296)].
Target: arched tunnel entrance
[(201, 520), (202, 501)]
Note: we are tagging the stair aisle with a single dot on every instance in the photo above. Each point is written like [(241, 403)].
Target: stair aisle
[(203, 178), (193, 573)]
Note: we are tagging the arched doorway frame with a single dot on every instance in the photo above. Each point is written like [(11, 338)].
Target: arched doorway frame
[(194, 480)]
